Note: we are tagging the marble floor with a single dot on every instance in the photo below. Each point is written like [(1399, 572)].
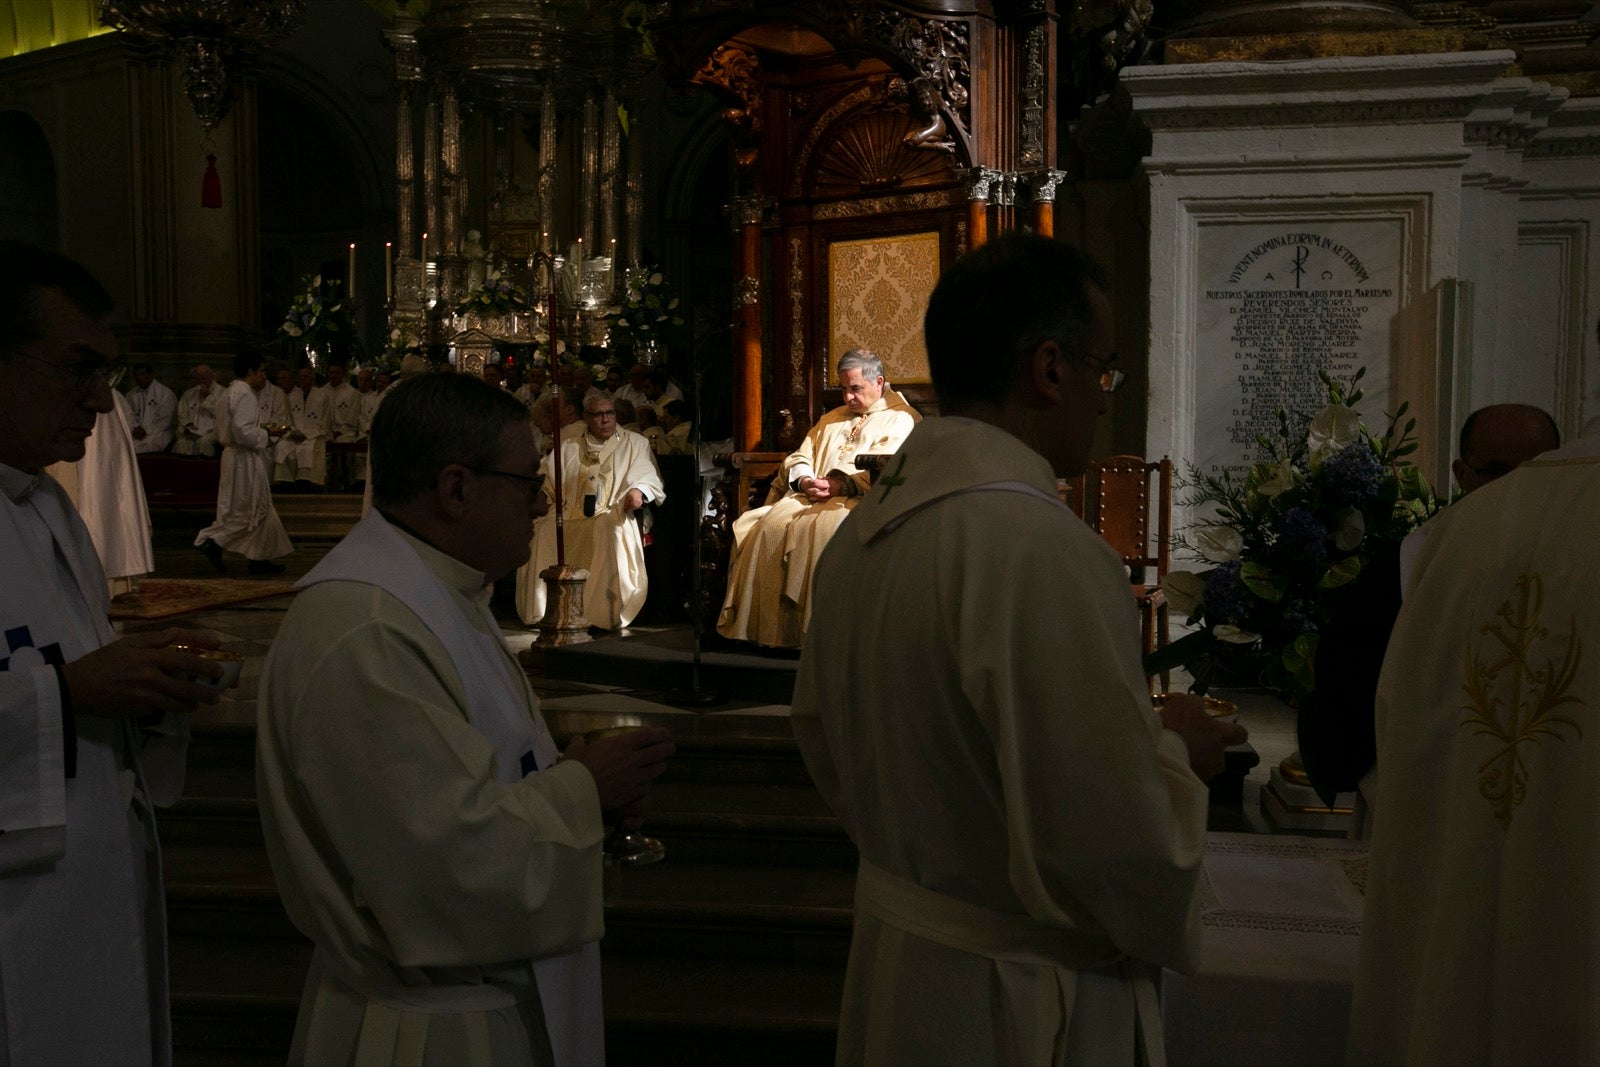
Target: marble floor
[(250, 628)]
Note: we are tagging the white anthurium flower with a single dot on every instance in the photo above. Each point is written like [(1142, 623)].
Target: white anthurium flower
[(1275, 478), (1184, 591), (655, 279), (316, 282), (1334, 427), (291, 329), (1233, 635), (1218, 544), (1351, 529)]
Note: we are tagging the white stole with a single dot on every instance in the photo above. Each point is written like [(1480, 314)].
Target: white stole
[(501, 708)]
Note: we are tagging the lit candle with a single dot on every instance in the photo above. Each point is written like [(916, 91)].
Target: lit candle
[(544, 241), (424, 247), (424, 268), (580, 262), (350, 271), (388, 272)]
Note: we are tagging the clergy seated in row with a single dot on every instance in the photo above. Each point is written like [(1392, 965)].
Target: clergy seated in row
[(608, 475), (154, 411), (543, 416), (775, 548), (302, 453), (677, 425), (197, 415)]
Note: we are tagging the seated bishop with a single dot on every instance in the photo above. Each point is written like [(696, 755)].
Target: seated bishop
[(607, 475), (775, 548)]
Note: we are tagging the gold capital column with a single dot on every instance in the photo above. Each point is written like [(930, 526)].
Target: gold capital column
[(1042, 187), (748, 213), (981, 183)]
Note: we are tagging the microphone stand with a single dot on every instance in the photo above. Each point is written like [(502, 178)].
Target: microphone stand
[(694, 695)]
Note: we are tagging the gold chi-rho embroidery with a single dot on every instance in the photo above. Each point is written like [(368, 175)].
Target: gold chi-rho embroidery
[(1512, 698)]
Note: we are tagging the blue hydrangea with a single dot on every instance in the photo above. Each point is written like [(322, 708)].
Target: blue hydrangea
[(1352, 475), (1303, 536), (1299, 616), (1226, 598)]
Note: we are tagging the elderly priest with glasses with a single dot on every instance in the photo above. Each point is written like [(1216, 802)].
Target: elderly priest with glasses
[(776, 548), (607, 475), (422, 832)]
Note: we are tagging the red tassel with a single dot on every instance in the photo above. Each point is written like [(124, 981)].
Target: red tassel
[(211, 185)]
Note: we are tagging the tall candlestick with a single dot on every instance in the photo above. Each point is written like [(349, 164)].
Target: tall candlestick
[(388, 272), (350, 272)]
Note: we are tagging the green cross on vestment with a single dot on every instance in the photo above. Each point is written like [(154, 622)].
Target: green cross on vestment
[(889, 481)]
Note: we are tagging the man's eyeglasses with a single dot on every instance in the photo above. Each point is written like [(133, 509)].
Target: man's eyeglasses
[(1110, 377), (86, 375), (534, 482)]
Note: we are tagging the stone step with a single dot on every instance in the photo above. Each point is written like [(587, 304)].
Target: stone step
[(317, 516), (658, 1009)]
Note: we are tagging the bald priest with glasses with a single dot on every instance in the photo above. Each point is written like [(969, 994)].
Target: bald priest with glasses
[(608, 475)]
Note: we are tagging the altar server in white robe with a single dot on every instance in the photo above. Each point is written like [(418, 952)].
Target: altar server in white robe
[(776, 548), (1478, 942), (197, 415), (971, 704), (82, 923), (246, 521), (607, 475), (302, 453), (154, 410), (108, 492), (421, 830)]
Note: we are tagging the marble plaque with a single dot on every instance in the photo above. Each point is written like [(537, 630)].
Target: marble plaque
[(1276, 303)]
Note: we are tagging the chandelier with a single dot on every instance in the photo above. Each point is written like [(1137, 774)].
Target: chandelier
[(214, 40)]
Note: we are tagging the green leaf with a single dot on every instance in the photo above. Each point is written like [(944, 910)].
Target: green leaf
[(1262, 582), (1340, 573), (1299, 659), (1186, 650)]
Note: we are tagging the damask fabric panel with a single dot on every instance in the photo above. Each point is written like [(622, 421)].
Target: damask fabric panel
[(1486, 818), (877, 291)]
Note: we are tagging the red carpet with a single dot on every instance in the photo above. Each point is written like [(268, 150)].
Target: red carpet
[(163, 598)]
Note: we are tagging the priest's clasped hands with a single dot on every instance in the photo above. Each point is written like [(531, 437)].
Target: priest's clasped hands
[(623, 766), (140, 675), (820, 489)]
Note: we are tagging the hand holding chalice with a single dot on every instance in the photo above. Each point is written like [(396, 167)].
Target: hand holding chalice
[(624, 760)]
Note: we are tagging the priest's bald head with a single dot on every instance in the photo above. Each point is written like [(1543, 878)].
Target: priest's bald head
[(453, 461), (1019, 334), (1498, 439), (56, 356)]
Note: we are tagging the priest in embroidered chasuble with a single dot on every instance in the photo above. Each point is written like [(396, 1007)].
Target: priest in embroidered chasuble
[(776, 548), (1479, 942), (607, 475)]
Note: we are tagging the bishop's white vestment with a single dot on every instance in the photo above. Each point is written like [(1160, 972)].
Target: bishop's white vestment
[(609, 545), (971, 704), (307, 459), (197, 420), (776, 548), (1481, 936), (154, 408), (274, 405), (421, 832), (246, 521), (83, 959)]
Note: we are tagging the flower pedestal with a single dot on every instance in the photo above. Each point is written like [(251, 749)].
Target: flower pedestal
[(1290, 804)]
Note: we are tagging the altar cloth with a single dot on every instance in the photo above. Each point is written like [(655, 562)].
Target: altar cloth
[(1282, 921)]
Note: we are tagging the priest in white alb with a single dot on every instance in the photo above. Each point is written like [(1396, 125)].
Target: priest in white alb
[(424, 831), (608, 474), (93, 730), (246, 522), (971, 704), (197, 415), (301, 455), (108, 491), (154, 411), (1478, 941), (776, 548)]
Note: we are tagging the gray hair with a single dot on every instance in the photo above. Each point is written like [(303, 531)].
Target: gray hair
[(429, 422), (594, 394), (862, 359)]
